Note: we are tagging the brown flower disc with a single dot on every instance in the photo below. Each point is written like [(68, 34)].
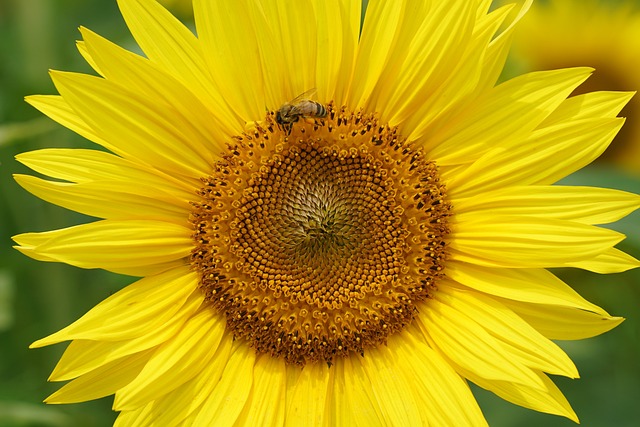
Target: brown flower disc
[(319, 242)]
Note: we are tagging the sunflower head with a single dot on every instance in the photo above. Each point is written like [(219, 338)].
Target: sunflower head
[(318, 239)]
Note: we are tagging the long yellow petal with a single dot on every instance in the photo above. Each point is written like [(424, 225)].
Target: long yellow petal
[(141, 417), (498, 50), (295, 42), (537, 286), (223, 406), (140, 308), (521, 342), (495, 118), (58, 109), (82, 356), (338, 29), (587, 205), (102, 381), (139, 75), (79, 165), (442, 394), (381, 22), (424, 53), (265, 406), (353, 402), (174, 362), (135, 126), (564, 323), (135, 247), (434, 109), (174, 48), (82, 48), (526, 242), (534, 160), (309, 397), (109, 200), (184, 402), (233, 52), (461, 339), (589, 105), (549, 399), (610, 261), (392, 391)]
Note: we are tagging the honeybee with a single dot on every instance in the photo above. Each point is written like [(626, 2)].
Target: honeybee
[(299, 107)]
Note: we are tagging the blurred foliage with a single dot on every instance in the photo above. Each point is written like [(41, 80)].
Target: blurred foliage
[(38, 298)]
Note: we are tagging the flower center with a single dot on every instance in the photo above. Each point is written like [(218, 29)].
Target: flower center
[(318, 239)]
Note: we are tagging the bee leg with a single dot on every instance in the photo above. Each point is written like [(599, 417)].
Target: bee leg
[(288, 128), (285, 127)]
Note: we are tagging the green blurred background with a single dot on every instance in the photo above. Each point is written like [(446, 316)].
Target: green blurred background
[(39, 298)]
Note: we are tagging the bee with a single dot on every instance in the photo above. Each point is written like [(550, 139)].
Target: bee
[(299, 107)]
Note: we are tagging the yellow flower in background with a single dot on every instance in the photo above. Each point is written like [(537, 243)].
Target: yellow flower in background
[(353, 256), (569, 33)]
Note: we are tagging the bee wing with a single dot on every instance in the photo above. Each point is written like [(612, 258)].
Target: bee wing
[(307, 94)]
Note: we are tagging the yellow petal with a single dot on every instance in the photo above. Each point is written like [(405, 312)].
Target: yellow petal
[(102, 381), (223, 406), (233, 56), (549, 399), (139, 75), (184, 402), (383, 366), (140, 308), (338, 28), (353, 402), (82, 356), (519, 341), (174, 48), (139, 418), (82, 48), (483, 7), (135, 247), (58, 109), (464, 73), (564, 323), (294, 38), (265, 406), (589, 105), (496, 54), (536, 286), (174, 362), (461, 339), (495, 117), (136, 126), (78, 165), (587, 205), (381, 22), (610, 261), (309, 396), (423, 56), (526, 242), (440, 392), (535, 160), (109, 200)]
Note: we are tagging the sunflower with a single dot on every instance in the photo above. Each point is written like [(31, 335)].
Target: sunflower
[(569, 33), (332, 225)]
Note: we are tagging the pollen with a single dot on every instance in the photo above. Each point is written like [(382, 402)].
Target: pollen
[(318, 241)]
